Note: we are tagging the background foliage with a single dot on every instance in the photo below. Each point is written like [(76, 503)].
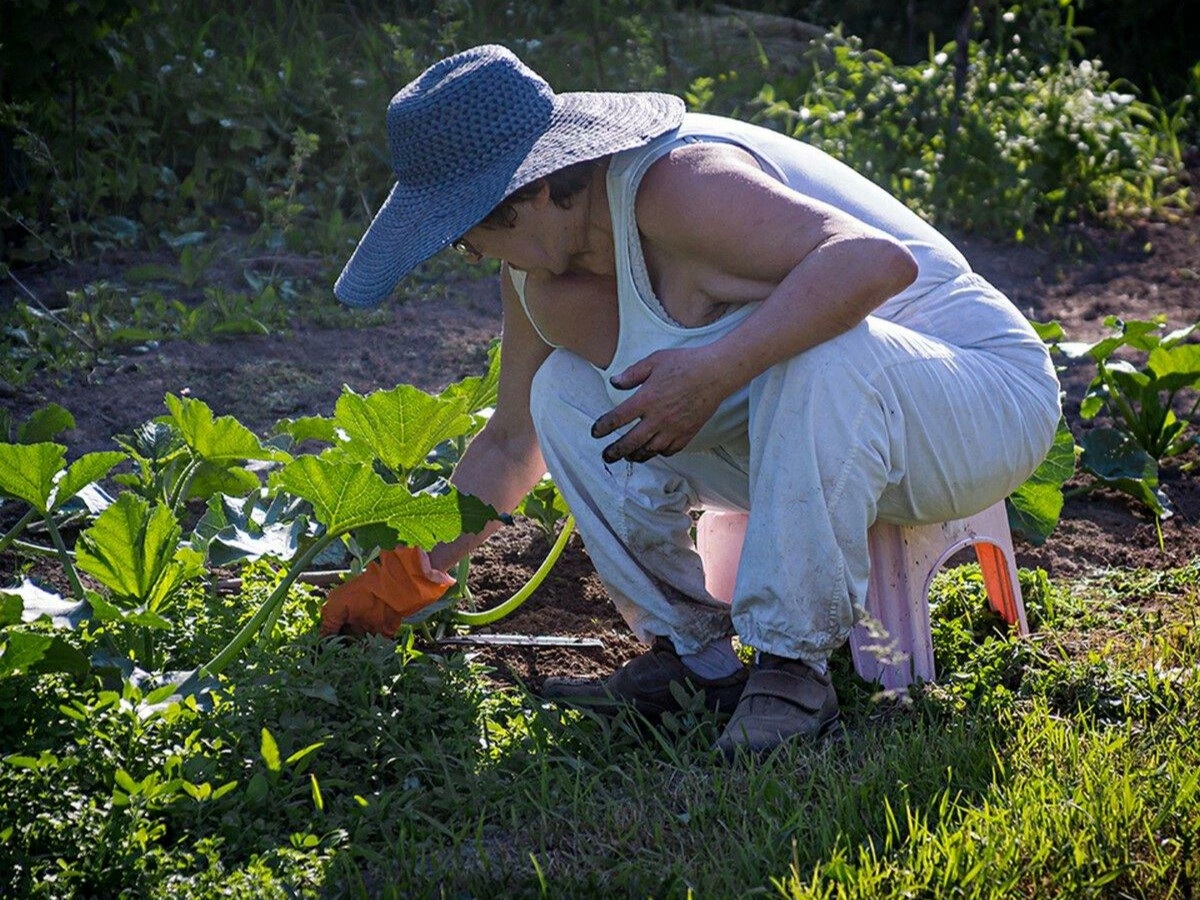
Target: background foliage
[(175, 133)]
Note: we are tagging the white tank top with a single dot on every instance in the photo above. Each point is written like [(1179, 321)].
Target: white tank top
[(645, 326)]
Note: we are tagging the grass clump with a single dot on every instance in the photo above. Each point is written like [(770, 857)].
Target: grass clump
[(1061, 764)]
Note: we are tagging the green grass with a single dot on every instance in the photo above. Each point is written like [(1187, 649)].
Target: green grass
[(1064, 764)]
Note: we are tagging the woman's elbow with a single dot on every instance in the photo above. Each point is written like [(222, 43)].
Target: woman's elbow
[(897, 269)]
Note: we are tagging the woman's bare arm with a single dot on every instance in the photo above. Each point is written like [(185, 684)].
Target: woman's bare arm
[(503, 463), (822, 272)]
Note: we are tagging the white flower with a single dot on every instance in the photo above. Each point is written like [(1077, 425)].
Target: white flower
[(358, 82), (1009, 16), (940, 59), (166, 70), (209, 52)]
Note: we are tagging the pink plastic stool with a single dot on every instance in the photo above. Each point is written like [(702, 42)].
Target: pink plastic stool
[(904, 559)]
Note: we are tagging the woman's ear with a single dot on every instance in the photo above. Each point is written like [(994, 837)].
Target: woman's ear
[(542, 197)]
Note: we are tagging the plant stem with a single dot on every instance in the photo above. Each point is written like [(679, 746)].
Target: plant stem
[(68, 565), (17, 529), (184, 484), (496, 613), (266, 611), (36, 549), (462, 571)]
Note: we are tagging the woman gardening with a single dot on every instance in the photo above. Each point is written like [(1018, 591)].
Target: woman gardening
[(701, 314)]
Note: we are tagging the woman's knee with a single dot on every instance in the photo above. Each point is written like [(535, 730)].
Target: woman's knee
[(564, 378)]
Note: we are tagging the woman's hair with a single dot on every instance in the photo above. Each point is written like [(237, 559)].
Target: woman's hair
[(564, 185)]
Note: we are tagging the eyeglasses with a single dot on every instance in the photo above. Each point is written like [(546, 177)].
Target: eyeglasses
[(463, 246)]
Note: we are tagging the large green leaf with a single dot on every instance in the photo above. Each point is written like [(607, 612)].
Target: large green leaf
[(1116, 459), (240, 529), (1176, 367), (1034, 507), (223, 441), (31, 651), (134, 550), (211, 479), (478, 392), (1141, 335), (153, 442), (28, 472), (88, 468), (11, 607), (45, 424), (37, 603), (1050, 331), (22, 650), (401, 425), (347, 495), (308, 428)]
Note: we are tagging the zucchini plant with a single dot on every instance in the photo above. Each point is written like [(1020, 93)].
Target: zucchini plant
[(1149, 397)]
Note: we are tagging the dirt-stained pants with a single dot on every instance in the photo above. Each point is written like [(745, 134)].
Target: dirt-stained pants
[(934, 415)]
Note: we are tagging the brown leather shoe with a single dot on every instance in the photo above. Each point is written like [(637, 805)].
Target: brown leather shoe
[(645, 684), (784, 699)]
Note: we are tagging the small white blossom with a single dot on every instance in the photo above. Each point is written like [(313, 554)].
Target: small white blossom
[(1009, 16), (209, 52), (166, 70), (940, 59)]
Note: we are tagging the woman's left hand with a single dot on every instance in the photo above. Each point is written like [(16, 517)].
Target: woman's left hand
[(677, 392)]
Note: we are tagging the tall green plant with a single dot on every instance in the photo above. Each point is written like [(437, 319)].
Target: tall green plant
[(1150, 400)]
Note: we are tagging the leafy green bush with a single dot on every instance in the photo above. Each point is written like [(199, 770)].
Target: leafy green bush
[(1014, 140)]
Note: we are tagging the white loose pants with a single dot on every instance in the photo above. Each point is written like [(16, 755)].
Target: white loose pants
[(935, 414)]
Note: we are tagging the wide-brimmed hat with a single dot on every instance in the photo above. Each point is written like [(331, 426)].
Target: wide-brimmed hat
[(468, 132)]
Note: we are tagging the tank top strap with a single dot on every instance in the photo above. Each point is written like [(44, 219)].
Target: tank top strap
[(518, 277)]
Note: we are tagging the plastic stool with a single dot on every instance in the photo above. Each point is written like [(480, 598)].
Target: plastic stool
[(904, 559)]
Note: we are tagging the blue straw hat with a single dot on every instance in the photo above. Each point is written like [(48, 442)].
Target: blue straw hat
[(468, 132)]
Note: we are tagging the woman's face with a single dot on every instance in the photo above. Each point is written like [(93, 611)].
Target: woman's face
[(543, 237)]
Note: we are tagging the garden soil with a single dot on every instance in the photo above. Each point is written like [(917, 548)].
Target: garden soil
[(1077, 278)]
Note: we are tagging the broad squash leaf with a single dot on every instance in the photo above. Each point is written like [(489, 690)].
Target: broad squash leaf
[(32, 651), (37, 603), (1035, 506), (88, 468), (134, 550), (1117, 460), (1176, 367), (45, 424), (11, 607), (224, 440), (21, 650), (401, 425), (308, 428), (477, 392), (28, 472), (347, 495)]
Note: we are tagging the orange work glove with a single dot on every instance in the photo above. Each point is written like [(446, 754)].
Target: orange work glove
[(397, 584)]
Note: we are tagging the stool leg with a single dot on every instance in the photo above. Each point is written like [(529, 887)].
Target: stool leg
[(998, 563), (897, 597)]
